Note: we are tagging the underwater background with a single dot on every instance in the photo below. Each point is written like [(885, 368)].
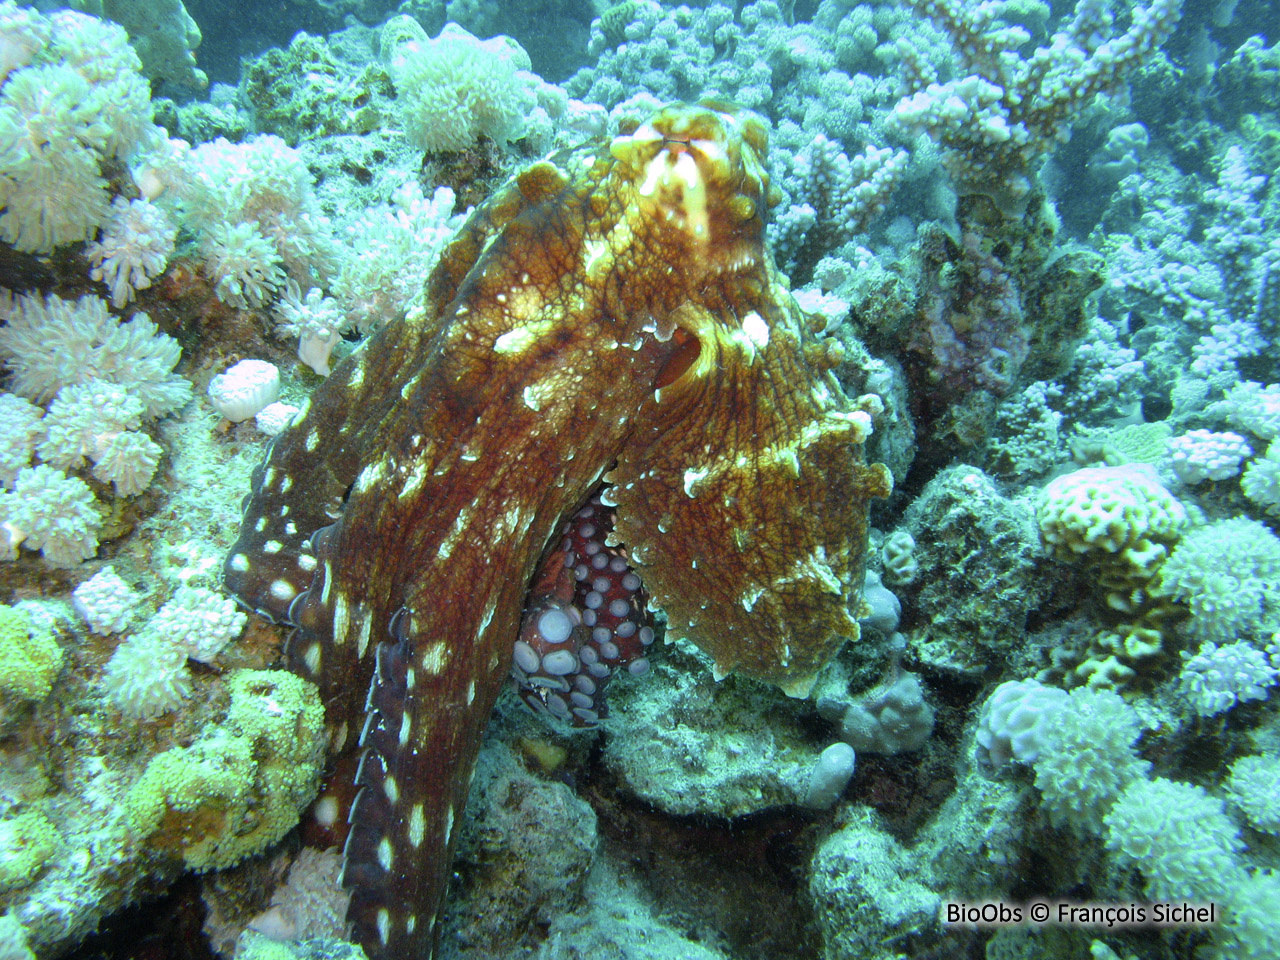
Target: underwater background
[(1039, 245)]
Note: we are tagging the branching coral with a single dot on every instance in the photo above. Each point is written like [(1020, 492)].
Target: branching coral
[(49, 343), (456, 87), (999, 120), (71, 101)]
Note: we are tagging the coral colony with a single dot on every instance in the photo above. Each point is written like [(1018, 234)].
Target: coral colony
[(494, 480)]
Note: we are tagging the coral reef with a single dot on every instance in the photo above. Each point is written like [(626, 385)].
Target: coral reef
[(561, 397)]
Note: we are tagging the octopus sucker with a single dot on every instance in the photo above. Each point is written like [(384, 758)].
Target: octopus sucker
[(427, 493)]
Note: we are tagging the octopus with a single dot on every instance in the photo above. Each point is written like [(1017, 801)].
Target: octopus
[(610, 316)]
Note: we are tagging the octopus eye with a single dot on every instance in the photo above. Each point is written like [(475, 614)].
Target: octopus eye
[(682, 358)]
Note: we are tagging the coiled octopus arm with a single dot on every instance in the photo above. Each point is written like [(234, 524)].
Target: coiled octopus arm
[(610, 314)]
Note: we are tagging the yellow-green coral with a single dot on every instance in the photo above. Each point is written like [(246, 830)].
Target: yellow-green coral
[(1108, 509), (29, 656), (27, 841), (238, 790), (1122, 521), (1134, 442)]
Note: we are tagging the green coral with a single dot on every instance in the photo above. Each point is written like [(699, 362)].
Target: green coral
[(27, 842), (305, 92), (29, 656), (238, 790)]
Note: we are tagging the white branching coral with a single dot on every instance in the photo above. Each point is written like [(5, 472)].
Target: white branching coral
[(1201, 455), (199, 621), (106, 602), (49, 343), (1261, 480), (137, 241), (50, 512), (1004, 112), (245, 267), (1216, 678), (19, 428), (1251, 406), (147, 676), (316, 320), (1225, 572)]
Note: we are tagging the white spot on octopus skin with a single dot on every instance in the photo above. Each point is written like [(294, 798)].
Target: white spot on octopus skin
[(282, 590), (341, 618), (691, 479), (756, 329), (417, 825), (239, 563), (435, 657), (384, 922), (391, 789), (272, 546)]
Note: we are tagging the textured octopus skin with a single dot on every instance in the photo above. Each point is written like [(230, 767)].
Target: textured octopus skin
[(610, 313)]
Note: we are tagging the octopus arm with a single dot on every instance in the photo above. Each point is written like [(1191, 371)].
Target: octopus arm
[(614, 306), (748, 524)]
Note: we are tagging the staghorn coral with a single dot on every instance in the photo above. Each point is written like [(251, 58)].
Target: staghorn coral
[(1005, 113), (765, 595)]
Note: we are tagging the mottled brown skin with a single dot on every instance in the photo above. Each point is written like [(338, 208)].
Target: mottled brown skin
[(610, 311)]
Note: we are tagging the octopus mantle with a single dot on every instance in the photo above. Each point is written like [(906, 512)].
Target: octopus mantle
[(609, 314)]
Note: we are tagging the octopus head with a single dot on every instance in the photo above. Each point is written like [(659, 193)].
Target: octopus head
[(697, 173)]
